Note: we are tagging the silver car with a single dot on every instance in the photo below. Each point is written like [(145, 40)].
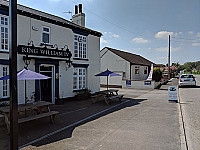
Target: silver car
[(187, 80)]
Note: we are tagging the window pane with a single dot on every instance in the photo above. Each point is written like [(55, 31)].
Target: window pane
[(6, 21), (45, 29), (2, 29), (80, 71), (2, 20), (6, 47), (75, 37), (45, 38)]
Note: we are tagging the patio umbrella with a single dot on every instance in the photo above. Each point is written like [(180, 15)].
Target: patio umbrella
[(107, 73), (26, 74)]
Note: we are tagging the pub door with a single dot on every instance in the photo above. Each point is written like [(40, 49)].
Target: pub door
[(46, 86)]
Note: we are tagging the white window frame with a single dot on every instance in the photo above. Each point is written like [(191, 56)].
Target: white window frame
[(3, 34), (137, 68), (79, 78), (49, 33), (4, 83), (80, 46)]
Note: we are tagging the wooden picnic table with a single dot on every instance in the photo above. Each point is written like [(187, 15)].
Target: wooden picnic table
[(109, 92), (41, 107), (107, 95)]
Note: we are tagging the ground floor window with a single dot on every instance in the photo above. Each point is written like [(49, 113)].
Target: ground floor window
[(79, 78), (137, 70), (5, 83), (145, 70)]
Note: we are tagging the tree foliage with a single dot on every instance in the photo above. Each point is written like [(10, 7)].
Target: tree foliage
[(157, 74), (191, 67)]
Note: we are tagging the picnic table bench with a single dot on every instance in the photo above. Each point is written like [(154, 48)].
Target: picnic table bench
[(107, 95), (41, 108)]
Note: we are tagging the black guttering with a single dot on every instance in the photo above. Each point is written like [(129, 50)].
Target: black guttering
[(39, 15)]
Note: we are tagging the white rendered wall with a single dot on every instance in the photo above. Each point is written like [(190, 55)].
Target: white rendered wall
[(60, 36), (141, 75), (138, 84), (94, 63), (116, 64)]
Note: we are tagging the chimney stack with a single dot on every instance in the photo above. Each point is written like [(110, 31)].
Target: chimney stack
[(79, 16), (76, 9), (80, 8)]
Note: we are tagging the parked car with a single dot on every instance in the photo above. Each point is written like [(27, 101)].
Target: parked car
[(187, 80)]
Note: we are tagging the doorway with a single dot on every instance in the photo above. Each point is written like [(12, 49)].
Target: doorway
[(47, 88)]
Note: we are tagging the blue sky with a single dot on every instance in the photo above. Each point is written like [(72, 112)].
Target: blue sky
[(138, 26)]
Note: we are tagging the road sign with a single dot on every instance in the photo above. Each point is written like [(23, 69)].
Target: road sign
[(172, 93)]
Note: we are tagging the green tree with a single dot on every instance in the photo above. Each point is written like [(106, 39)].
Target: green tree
[(157, 74)]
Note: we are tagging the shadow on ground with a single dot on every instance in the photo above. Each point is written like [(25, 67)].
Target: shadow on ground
[(66, 122)]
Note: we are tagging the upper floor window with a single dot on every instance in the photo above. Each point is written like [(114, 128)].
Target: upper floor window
[(80, 46), (145, 70), (137, 70), (46, 34), (4, 33)]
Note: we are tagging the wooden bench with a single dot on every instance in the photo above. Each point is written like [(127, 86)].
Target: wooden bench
[(96, 97), (107, 99), (50, 114)]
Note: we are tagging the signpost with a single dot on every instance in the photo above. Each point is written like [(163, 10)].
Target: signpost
[(13, 74), (173, 93)]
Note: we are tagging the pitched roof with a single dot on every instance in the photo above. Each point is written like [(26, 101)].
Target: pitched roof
[(132, 58), (56, 19)]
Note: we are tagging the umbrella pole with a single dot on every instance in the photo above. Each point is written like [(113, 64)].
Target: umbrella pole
[(25, 97), (107, 84), (25, 92)]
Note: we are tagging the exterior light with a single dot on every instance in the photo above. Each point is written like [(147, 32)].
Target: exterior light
[(26, 60), (30, 42), (69, 55)]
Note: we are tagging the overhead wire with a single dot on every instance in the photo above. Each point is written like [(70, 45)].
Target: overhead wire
[(141, 35)]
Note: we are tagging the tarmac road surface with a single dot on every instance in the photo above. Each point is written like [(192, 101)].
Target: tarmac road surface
[(147, 122), (190, 104)]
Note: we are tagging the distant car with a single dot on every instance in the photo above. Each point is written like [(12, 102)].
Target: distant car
[(187, 80)]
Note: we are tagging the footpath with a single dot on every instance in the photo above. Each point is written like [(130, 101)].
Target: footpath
[(146, 122)]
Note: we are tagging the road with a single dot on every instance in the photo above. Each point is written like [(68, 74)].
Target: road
[(146, 122), (190, 104)]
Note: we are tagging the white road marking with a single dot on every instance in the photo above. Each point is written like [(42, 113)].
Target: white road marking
[(73, 111)]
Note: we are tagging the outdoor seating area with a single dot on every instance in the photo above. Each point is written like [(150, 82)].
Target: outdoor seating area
[(30, 111), (107, 95)]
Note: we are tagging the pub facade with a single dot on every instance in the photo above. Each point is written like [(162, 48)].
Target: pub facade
[(66, 51)]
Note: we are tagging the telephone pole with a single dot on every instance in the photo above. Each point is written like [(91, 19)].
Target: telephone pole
[(169, 60)]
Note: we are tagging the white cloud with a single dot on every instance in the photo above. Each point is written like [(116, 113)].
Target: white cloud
[(163, 34), (190, 32), (103, 41), (139, 40), (115, 36), (112, 35), (195, 44), (164, 49)]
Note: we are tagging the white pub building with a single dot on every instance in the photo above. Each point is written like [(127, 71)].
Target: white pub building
[(66, 51)]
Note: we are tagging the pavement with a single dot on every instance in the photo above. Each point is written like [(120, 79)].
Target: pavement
[(144, 120)]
